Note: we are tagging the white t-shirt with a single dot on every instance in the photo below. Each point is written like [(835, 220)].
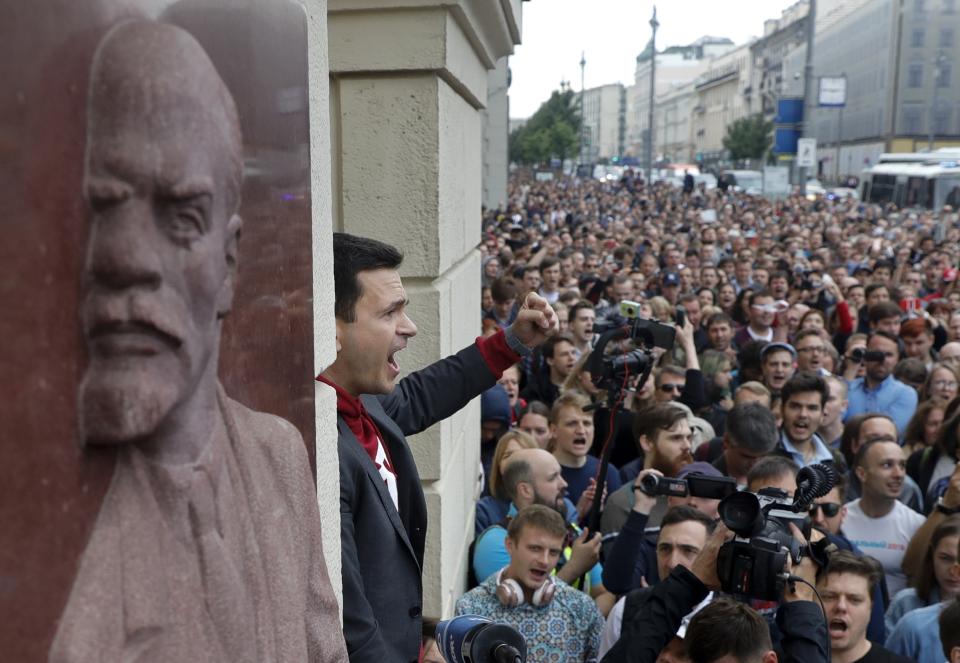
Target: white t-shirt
[(884, 539)]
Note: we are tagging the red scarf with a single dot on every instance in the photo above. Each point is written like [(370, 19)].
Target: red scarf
[(359, 420)]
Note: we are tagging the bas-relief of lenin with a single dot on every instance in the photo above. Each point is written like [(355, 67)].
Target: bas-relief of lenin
[(207, 544)]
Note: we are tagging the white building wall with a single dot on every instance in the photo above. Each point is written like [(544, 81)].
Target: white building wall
[(495, 120)]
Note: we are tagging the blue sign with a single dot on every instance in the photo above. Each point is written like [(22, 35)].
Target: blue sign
[(789, 111), (785, 140)]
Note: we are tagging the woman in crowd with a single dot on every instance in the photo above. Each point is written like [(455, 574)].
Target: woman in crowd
[(938, 578), (922, 430), (941, 384), (928, 466)]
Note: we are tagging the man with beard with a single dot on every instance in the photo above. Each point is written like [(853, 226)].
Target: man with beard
[(848, 587), (878, 390), (532, 476), (803, 398), (878, 523), (665, 440), (207, 545), (763, 310)]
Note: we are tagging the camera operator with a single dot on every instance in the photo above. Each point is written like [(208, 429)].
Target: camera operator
[(632, 559), (662, 609), (664, 439), (682, 536)]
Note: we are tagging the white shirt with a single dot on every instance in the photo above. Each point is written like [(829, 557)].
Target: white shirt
[(614, 623), (387, 473), (884, 539)]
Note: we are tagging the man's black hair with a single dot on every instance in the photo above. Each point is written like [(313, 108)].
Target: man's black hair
[(352, 255), (727, 628), (682, 513), (804, 381), (752, 427)]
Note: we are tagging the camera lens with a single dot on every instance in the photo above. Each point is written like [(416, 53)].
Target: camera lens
[(857, 354), (741, 513)]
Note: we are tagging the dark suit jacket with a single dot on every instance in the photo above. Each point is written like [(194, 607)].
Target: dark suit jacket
[(382, 549)]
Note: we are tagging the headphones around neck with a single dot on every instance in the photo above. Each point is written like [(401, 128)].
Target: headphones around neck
[(510, 592)]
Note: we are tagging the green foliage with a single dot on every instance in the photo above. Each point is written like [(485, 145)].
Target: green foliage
[(749, 137), (553, 131)]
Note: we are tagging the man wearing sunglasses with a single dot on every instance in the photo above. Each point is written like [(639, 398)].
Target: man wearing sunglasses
[(760, 327), (878, 390)]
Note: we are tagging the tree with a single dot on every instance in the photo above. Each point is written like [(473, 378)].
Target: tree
[(553, 131), (749, 137)]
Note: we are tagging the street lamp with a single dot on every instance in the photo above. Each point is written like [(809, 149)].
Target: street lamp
[(583, 110), (654, 24)]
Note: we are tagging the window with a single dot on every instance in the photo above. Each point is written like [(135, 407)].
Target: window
[(941, 121), (917, 38), (881, 188), (912, 120), (946, 37), (943, 75), (915, 76)]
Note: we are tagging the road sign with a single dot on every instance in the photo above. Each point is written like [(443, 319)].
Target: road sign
[(806, 152), (833, 91)]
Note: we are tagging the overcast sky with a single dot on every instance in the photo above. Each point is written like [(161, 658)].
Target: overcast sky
[(612, 33)]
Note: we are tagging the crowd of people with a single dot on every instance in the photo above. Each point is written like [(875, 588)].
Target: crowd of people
[(804, 331)]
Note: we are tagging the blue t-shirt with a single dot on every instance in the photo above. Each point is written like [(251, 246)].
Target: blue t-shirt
[(578, 478), (917, 635)]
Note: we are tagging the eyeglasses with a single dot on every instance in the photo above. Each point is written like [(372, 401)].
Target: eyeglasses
[(830, 509), (671, 387), (813, 348), (944, 383)]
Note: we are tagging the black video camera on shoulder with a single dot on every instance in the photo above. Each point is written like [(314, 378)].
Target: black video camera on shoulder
[(753, 563)]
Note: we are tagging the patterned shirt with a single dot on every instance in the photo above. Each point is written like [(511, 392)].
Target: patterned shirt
[(565, 630)]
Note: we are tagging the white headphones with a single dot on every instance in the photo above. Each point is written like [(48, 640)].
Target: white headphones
[(510, 592)]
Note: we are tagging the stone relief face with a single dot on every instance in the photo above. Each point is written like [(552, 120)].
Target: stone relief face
[(162, 179)]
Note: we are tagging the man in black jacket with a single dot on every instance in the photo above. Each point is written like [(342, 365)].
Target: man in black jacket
[(654, 621), (383, 514)]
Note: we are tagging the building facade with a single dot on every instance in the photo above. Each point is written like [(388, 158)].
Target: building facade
[(902, 86), (724, 94), (604, 110), (671, 119), (675, 66)]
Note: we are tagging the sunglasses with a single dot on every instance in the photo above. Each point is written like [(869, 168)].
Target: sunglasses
[(830, 509), (671, 387)]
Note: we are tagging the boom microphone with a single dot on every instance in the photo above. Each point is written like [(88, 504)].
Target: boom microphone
[(474, 639)]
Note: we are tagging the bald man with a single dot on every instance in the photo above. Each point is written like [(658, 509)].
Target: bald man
[(207, 546)]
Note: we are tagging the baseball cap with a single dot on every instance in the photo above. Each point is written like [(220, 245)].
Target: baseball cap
[(670, 279), (772, 347)]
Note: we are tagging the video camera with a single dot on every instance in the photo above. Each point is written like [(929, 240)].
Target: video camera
[(752, 564), (697, 485), (609, 370)]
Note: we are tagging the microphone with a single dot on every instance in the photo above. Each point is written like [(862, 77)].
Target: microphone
[(475, 639)]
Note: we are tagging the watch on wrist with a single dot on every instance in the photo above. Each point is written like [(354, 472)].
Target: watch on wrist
[(946, 510)]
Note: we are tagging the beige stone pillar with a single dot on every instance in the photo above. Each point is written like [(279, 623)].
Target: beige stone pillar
[(325, 351), (408, 82)]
